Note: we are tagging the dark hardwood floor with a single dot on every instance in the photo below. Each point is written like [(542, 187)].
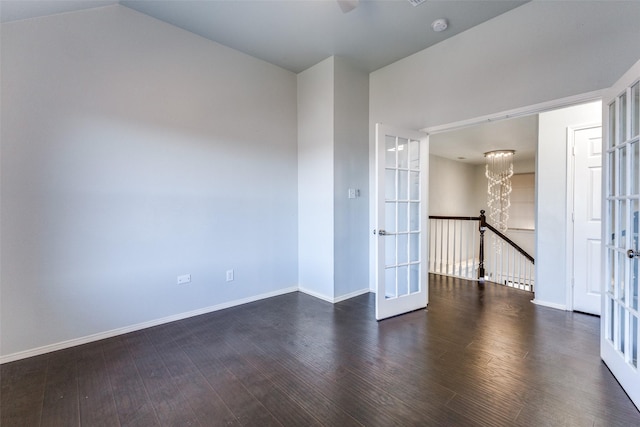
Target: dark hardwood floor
[(477, 356)]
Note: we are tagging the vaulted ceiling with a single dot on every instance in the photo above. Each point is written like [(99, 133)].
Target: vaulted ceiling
[(296, 34)]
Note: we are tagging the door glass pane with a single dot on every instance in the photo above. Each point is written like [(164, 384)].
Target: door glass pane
[(403, 280), (414, 278), (612, 221), (621, 275), (403, 248), (633, 341), (414, 247), (390, 282), (622, 218), (635, 167), (414, 185), (414, 219), (390, 184), (610, 313), (612, 173), (389, 251), (621, 326), (635, 110), (390, 151), (612, 276), (622, 119), (403, 153), (403, 185), (403, 225), (390, 217), (414, 154), (612, 124), (623, 170)]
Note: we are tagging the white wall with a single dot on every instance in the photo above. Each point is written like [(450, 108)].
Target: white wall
[(451, 187), (551, 226), (315, 179), (132, 152), (538, 52), (351, 163)]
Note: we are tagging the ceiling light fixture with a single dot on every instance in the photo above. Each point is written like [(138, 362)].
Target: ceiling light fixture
[(439, 25), (499, 170), (416, 2)]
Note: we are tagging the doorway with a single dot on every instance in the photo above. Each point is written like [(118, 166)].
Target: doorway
[(549, 164)]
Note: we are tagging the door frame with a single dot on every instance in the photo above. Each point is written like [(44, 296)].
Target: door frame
[(571, 175), (432, 130), (543, 107)]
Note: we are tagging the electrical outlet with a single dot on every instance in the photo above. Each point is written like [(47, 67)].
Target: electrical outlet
[(184, 279), (229, 275)]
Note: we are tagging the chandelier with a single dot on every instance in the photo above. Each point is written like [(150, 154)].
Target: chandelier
[(499, 171)]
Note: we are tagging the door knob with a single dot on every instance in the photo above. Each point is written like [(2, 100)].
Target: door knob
[(632, 254)]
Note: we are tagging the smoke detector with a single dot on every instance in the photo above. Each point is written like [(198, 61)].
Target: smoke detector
[(439, 25)]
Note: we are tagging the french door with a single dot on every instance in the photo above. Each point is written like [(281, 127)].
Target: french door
[(620, 322), (401, 221)]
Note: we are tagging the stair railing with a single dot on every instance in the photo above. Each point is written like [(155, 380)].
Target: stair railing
[(471, 248)]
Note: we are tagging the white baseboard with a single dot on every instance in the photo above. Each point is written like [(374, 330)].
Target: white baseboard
[(316, 294), (336, 299), (351, 295), (132, 328), (550, 304)]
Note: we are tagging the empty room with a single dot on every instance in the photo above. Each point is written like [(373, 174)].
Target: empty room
[(230, 213)]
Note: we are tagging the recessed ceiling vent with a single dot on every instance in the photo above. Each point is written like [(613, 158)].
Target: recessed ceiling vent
[(416, 2)]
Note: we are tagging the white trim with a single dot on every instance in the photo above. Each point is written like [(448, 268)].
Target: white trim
[(351, 295), (316, 294), (570, 208), (550, 304), (569, 218), (519, 112), (336, 299), (132, 328)]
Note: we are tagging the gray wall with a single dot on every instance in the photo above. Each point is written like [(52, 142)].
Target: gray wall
[(133, 152), (351, 232), (316, 179), (332, 157), (451, 187)]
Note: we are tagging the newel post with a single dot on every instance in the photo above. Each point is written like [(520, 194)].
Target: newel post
[(483, 227)]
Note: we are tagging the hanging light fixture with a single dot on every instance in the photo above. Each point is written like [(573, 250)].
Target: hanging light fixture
[(499, 171)]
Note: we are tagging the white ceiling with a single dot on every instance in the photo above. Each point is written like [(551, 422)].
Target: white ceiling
[(297, 34), (520, 134), (14, 10)]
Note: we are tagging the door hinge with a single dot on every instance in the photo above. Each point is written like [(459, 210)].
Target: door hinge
[(573, 217)]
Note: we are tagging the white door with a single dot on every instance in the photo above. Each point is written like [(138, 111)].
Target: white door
[(587, 225), (401, 226), (620, 321)]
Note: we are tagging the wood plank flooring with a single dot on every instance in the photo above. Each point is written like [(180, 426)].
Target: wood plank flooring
[(476, 357)]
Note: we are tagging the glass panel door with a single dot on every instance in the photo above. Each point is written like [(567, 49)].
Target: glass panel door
[(401, 175), (620, 335)]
